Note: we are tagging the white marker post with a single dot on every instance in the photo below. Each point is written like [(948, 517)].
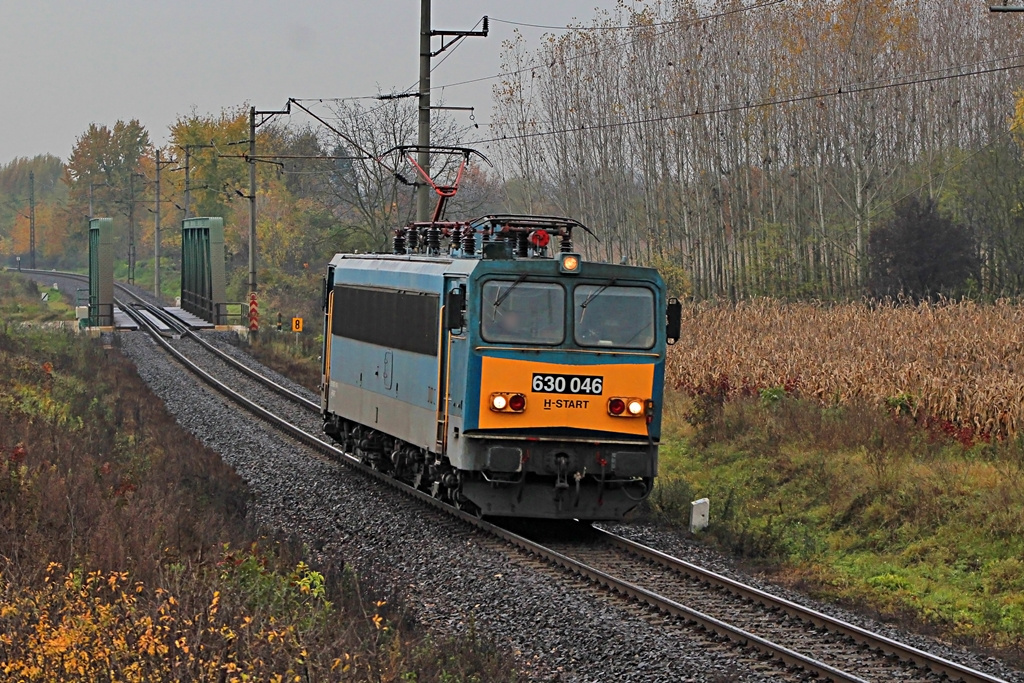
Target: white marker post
[(699, 513)]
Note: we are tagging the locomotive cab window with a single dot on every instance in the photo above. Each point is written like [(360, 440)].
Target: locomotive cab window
[(614, 316), (520, 312)]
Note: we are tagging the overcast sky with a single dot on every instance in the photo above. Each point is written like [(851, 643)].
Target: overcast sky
[(66, 64)]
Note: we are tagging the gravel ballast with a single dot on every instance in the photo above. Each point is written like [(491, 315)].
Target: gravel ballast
[(449, 576)]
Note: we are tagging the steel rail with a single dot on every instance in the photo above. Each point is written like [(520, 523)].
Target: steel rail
[(190, 334), (614, 584), (236, 364), (875, 641)]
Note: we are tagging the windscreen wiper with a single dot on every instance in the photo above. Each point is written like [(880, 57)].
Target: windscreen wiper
[(593, 296), (504, 295)]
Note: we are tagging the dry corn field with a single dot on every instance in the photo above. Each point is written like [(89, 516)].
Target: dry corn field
[(959, 363)]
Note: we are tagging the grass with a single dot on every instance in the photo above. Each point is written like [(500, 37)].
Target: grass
[(170, 276), (21, 301), (858, 505), (296, 356), (126, 548)]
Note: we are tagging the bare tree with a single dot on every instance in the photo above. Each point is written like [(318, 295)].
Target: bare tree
[(758, 146)]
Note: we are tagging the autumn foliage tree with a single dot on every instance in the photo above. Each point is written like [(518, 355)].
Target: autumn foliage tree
[(50, 195), (104, 176), (102, 162)]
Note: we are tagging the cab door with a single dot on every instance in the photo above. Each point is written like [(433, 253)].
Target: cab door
[(453, 361), (325, 352)]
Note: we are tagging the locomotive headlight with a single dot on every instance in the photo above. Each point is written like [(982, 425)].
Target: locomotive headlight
[(635, 406), (570, 263), (498, 402)]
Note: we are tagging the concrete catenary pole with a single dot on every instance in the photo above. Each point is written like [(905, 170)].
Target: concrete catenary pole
[(156, 232), (188, 181), (252, 199), (31, 220), (131, 228), (423, 157)]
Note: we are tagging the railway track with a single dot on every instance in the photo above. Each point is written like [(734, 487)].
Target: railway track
[(177, 330), (799, 639), (847, 652)]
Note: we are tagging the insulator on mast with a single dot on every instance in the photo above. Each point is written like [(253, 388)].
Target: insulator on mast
[(522, 244), (468, 240), (566, 245), (433, 239)]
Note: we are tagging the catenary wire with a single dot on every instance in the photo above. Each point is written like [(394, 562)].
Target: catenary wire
[(410, 89), (616, 46), (638, 27), (728, 109)]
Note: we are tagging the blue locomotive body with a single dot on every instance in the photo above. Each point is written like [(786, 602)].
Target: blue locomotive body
[(523, 386)]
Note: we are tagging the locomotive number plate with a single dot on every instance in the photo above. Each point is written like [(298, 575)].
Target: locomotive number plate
[(590, 385)]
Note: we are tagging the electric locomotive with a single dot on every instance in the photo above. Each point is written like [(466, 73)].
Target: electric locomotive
[(506, 376)]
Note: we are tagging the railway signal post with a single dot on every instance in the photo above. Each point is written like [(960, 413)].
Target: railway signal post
[(254, 314)]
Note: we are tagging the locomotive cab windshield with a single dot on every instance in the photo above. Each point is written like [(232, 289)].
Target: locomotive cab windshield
[(613, 316), (522, 312), (605, 315)]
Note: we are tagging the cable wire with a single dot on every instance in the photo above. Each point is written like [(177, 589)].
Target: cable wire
[(841, 90), (454, 46), (616, 46), (635, 27)]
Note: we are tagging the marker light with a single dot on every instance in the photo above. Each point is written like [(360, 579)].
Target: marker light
[(570, 263), (629, 407), (508, 403), (616, 406)]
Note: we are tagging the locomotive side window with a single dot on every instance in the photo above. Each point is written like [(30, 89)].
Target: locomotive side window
[(406, 321), (515, 311), (615, 316)]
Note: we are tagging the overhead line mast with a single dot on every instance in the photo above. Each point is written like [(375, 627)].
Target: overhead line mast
[(423, 197), (32, 219), (251, 158)]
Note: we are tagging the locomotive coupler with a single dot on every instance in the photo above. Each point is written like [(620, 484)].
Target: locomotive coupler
[(562, 475), (578, 477)]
